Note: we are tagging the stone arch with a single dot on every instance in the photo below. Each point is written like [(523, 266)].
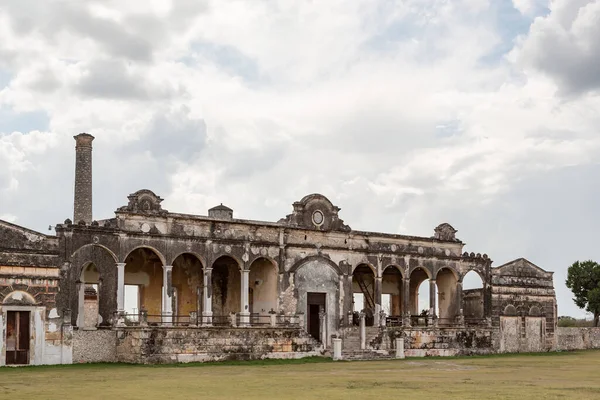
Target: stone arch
[(263, 282), (85, 246), (367, 264), (200, 257), (187, 284), (162, 258), (89, 288), (226, 282), (144, 271), (238, 261), (418, 277), (473, 296), (510, 311), (447, 295), (317, 284), (396, 267), (266, 257), (392, 293), (421, 267), (308, 259), (454, 272), (19, 298), (467, 272), (105, 262), (535, 311)]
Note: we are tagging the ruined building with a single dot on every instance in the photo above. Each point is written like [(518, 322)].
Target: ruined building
[(150, 285)]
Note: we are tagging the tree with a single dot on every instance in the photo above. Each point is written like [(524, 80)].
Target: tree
[(583, 278)]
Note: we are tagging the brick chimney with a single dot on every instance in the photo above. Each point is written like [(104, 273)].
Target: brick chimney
[(83, 178)]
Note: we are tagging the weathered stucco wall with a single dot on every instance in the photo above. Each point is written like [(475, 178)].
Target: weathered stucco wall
[(319, 277), (161, 345), (94, 346), (444, 342), (577, 338)]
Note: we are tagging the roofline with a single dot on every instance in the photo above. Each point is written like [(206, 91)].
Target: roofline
[(526, 260), (27, 229), (281, 225)]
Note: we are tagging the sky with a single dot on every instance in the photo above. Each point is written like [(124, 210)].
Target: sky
[(406, 114)]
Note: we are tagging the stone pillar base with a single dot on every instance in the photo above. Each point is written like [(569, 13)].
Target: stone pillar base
[(337, 349)]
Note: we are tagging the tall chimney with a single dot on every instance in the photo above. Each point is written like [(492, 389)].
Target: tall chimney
[(83, 178)]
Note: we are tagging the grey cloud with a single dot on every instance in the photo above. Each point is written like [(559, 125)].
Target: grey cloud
[(175, 135), (565, 46), (111, 79)]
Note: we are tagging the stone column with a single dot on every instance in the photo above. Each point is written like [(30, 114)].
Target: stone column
[(337, 349), (207, 299), (363, 331), (399, 348), (406, 302), (378, 285), (323, 325), (244, 306), (432, 297), (460, 318), (167, 295), (80, 304), (121, 287)]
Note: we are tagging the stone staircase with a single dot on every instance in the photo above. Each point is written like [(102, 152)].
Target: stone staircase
[(351, 345)]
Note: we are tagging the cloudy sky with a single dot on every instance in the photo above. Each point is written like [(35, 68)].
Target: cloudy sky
[(481, 113)]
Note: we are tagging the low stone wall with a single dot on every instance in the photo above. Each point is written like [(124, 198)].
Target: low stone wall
[(423, 342), (577, 338), (154, 345), (94, 346)]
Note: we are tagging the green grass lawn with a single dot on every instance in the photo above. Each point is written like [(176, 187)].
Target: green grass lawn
[(543, 376)]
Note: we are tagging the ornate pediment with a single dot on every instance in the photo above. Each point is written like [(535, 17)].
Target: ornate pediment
[(523, 268), (446, 232), (315, 211), (143, 202)]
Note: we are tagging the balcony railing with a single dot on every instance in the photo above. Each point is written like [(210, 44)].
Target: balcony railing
[(195, 320)]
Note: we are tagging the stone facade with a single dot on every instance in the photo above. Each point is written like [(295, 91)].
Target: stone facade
[(577, 338), (207, 285)]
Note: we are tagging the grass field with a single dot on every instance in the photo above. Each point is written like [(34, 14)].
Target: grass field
[(541, 376)]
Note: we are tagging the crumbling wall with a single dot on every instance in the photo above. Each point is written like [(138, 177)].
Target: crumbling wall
[(443, 341), (182, 345), (473, 303), (317, 276), (94, 346), (577, 338)]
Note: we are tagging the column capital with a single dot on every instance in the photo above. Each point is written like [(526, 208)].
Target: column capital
[(167, 267), (121, 265), (245, 271)]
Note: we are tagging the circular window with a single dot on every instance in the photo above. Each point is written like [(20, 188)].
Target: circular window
[(318, 217)]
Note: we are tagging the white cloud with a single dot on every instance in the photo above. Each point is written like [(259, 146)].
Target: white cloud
[(530, 7), (564, 45)]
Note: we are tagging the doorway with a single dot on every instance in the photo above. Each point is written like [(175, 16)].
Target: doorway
[(315, 304), (17, 337)]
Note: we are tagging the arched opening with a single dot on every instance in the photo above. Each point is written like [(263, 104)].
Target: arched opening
[(226, 289), (473, 297), (391, 293), (447, 296), (419, 298), (144, 284), (262, 288), (93, 265), (89, 298), (363, 293), (187, 281)]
